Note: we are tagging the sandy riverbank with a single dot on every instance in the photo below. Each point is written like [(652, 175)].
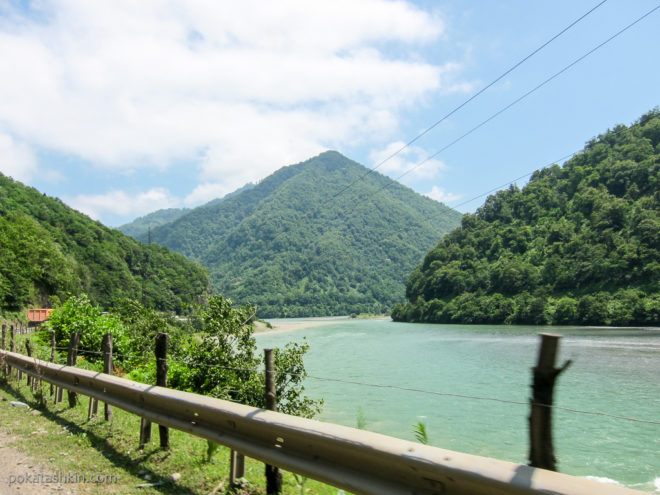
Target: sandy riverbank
[(292, 324)]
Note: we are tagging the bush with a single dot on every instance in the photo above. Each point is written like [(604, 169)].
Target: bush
[(78, 314)]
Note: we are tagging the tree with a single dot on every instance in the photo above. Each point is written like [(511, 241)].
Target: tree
[(579, 244), (78, 314), (222, 362)]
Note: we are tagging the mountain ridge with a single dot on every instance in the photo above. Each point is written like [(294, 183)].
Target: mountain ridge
[(51, 251), (300, 243), (139, 228)]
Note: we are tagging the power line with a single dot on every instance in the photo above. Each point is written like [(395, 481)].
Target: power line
[(476, 397), (456, 109), (398, 388), (502, 110), (496, 114), (563, 159), (533, 90)]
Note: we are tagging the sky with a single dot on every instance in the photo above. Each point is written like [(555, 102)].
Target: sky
[(121, 108)]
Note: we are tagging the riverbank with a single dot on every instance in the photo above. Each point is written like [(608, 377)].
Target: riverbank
[(280, 325)]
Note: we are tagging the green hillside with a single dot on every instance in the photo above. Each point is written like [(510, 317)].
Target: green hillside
[(580, 244), (139, 228), (49, 250), (291, 249)]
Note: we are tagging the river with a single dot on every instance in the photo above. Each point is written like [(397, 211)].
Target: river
[(470, 385)]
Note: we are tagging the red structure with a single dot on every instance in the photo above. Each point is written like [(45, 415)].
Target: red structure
[(36, 316)]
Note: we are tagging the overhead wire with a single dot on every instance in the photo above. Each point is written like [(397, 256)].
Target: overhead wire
[(507, 107), (493, 116), (453, 111), (466, 102), (396, 387), (484, 122), (531, 91)]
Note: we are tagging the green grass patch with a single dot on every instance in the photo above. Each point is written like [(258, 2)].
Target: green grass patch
[(64, 440)]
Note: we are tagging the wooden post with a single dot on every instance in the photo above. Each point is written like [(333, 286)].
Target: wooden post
[(273, 475), (20, 373), (4, 347), (92, 409), (236, 467), (162, 340), (52, 358), (541, 449), (28, 351), (12, 345), (145, 432), (106, 348), (71, 359)]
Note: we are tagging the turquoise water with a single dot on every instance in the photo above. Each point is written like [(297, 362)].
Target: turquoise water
[(615, 371)]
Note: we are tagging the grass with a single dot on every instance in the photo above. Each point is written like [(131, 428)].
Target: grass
[(63, 439)]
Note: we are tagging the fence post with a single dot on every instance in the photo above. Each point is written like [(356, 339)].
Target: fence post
[(106, 349), (71, 359), (28, 351), (162, 340), (541, 449), (273, 475), (4, 347), (145, 431), (52, 357), (93, 407), (12, 346), (18, 332), (236, 467)]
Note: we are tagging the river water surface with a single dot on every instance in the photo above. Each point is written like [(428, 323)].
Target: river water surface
[(470, 385)]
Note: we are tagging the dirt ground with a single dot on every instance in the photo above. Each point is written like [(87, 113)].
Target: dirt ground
[(18, 472)]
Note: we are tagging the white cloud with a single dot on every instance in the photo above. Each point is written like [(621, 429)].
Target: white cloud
[(122, 203), (443, 196), (410, 163), (16, 159), (206, 192), (248, 86)]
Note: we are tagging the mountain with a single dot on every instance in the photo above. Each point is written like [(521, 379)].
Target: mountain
[(323, 237), (49, 251), (139, 228), (579, 244)]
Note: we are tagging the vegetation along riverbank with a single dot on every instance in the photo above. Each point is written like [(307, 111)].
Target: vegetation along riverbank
[(579, 244)]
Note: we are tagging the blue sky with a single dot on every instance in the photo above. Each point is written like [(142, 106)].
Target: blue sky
[(121, 108)]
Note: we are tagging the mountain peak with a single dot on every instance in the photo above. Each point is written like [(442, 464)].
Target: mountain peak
[(293, 248)]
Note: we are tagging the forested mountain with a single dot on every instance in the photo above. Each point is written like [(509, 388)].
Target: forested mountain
[(50, 251), (579, 244), (291, 248), (139, 228)]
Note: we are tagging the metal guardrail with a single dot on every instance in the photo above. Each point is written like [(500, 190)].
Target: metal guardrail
[(358, 461)]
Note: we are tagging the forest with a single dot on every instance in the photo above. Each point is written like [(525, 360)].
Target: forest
[(578, 245), (50, 252), (140, 227), (322, 237)]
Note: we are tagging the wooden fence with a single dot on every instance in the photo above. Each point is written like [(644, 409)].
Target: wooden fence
[(356, 460)]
